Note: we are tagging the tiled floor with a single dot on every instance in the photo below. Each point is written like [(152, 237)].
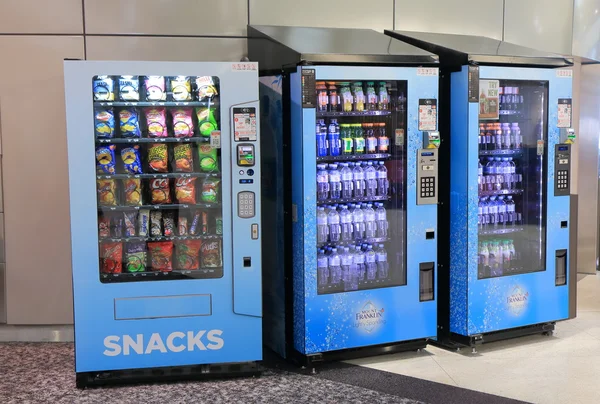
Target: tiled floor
[(563, 368)]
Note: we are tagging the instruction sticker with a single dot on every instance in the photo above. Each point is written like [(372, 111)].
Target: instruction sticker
[(244, 124), (564, 112), (215, 139), (540, 147), (428, 114)]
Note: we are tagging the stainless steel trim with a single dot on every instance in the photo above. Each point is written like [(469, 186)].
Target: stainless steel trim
[(36, 333), (572, 275)]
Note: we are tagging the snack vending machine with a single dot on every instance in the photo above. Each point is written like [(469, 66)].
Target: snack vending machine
[(350, 144), (508, 212), (164, 169)]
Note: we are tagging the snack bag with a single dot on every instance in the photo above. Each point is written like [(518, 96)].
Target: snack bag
[(183, 158), (131, 159), (208, 158), (204, 228), (161, 191), (158, 158), (129, 123), (130, 219), (185, 190), (181, 88), (107, 192), (103, 88), (195, 223), (182, 225), (206, 120), (105, 157), (135, 257), (169, 224), (186, 254), (156, 223), (104, 122), (183, 124), (161, 254), (129, 88), (110, 258), (206, 88), (155, 88), (210, 254), (156, 120), (143, 222), (103, 226), (133, 191), (210, 190)]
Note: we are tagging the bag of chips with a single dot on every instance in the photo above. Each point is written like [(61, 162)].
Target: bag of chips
[(156, 223), (169, 224), (185, 190), (156, 120), (183, 158), (155, 88), (107, 192), (131, 159), (111, 255), (133, 191), (105, 157), (135, 257), (129, 88), (161, 253), (187, 254), (129, 123), (182, 225), (158, 158), (206, 120), (161, 191), (210, 254), (210, 190), (181, 88), (206, 88), (103, 88), (103, 226), (208, 158), (183, 124), (104, 122), (143, 222)]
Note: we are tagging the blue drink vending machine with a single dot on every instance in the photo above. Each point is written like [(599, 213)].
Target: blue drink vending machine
[(350, 178), (508, 213), (164, 168)]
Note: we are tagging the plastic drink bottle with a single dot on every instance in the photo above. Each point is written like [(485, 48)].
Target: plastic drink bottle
[(499, 178), (490, 136), (516, 132), (371, 96), (347, 141), (506, 256), (359, 260), (513, 255), (503, 171), (498, 132), (321, 141), (494, 218), (510, 210), (333, 139), (383, 99), (381, 218), (481, 138), (322, 182), (335, 267), (347, 180), (358, 176), (382, 180), (322, 268), (512, 171), (382, 264), (484, 257), (346, 223), (480, 219), (371, 263), (383, 141), (370, 223), (322, 225), (359, 223), (335, 182), (490, 174), (335, 229), (485, 212), (359, 138), (494, 250), (349, 270), (371, 139), (480, 177), (371, 179), (506, 136), (502, 213)]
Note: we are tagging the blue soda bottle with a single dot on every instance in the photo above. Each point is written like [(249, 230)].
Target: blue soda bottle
[(321, 140), (333, 139)]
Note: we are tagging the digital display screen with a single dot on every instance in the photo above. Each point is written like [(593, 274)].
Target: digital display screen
[(563, 148), (427, 154)]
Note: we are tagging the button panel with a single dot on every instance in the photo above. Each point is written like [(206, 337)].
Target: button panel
[(427, 174), (427, 187), (246, 204), (562, 169), (562, 179)]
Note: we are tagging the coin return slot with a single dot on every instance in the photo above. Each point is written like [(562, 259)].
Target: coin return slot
[(247, 262), (564, 224), (561, 268), (430, 235), (426, 281)]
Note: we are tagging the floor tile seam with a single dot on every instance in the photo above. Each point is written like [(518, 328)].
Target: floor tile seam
[(446, 372)]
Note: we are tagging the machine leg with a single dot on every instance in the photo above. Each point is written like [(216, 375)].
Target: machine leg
[(474, 351)]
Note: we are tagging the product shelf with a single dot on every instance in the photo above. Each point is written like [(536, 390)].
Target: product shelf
[(507, 230), (353, 157), (155, 176), (202, 273), (500, 152), (155, 104), (155, 140), (371, 240), (162, 238), (161, 207), (356, 199), (336, 114), (501, 192)]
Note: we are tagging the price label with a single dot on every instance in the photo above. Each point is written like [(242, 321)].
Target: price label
[(399, 141), (564, 73), (427, 71), (244, 66), (540, 147), (215, 139)]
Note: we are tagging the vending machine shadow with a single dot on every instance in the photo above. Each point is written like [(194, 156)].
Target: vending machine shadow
[(350, 192), (504, 229)]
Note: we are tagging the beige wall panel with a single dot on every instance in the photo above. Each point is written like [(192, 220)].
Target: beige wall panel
[(374, 14), (41, 17), (2, 294), (174, 17), (586, 28), (36, 199), (169, 49)]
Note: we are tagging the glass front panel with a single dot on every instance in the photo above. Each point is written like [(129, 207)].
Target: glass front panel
[(512, 177), (361, 185), (158, 179)]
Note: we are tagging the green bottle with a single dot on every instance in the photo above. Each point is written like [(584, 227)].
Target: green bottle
[(347, 143), (359, 139)]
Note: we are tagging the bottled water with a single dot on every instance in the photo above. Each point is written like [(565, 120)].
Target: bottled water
[(499, 178), (480, 177), (505, 172), (493, 209), (480, 218), (512, 171), (382, 180), (501, 211), (322, 182), (322, 268), (516, 132), (484, 258), (335, 267), (510, 210), (485, 212), (335, 182), (490, 174), (506, 256), (348, 272), (335, 229), (382, 264), (359, 260), (322, 225), (346, 223), (359, 223), (370, 223), (506, 137), (381, 218), (513, 255), (358, 176), (333, 138), (371, 179), (347, 179), (371, 263)]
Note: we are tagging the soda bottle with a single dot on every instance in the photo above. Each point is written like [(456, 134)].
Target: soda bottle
[(371, 180), (371, 139), (347, 179), (359, 260), (498, 134), (334, 101), (323, 97), (358, 176), (506, 136), (382, 264), (359, 138), (322, 182), (484, 257), (381, 218), (371, 96), (383, 141), (358, 218), (347, 141), (510, 211), (335, 182), (322, 268), (382, 180), (335, 229), (371, 263), (322, 225), (493, 208), (384, 100), (346, 221), (494, 259), (321, 141), (333, 139), (370, 222), (335, 267), (516, 132)]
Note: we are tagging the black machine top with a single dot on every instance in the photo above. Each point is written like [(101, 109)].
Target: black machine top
[(277, 47), (459, 50)]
